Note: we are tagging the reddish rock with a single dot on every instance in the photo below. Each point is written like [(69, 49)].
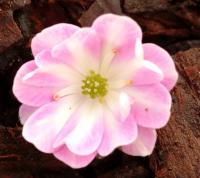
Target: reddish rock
[(165, 21), (13, 4), (98, 8), (138, 6), (40, 15), (75, 8), (19, 158), (177, 151), (9, 31)]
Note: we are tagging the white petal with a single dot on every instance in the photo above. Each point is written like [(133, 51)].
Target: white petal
[(86, 136), (139, 53), (125, 105), (143, 145), (119, 104)]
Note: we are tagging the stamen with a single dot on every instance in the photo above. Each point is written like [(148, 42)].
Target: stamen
[(115, 51), (129, 82), (70, 90), (94, 85), (56, 97), (107, 59)]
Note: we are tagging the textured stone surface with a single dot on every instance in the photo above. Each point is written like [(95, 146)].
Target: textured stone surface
[(166, 21), (13, 4), (98, 8), (177, 153), (9, 31), (138, 6)]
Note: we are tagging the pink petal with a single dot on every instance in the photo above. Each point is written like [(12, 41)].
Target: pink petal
[(162, 59), (43, 58), (143, 145), (52, 36), (147, 74), (44, 125), (63, 54), (151, 107), (67, 128), (86, 136), (88, 41), (32, 95), (25, 112), (59, 55), (45, 78), (119, 103), (119, 33), (73, 160), (117, 133), (82, 51), (56, 68)]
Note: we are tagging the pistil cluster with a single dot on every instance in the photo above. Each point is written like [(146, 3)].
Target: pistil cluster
[(94, 85)]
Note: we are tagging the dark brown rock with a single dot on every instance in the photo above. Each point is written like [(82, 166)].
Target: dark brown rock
[(18, 157), (39, 15), (138, 6), (75, 8), (13, 4), (98, 8), (177, 151), (130, 167), (165, 21), (182, 46), (9, 31)]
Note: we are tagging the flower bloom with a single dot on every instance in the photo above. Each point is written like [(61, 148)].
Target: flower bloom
[(91, 90)]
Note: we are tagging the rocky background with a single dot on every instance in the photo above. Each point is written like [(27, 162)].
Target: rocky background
[(173, 24)]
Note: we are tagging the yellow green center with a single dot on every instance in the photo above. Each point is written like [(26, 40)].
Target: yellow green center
[(94, 85)]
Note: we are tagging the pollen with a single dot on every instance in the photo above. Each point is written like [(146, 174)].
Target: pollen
[(94, 85)]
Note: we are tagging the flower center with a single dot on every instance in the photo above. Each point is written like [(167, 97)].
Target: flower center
[(94, 85)]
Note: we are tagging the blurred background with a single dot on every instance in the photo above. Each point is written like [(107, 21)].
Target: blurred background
[(172, 24)]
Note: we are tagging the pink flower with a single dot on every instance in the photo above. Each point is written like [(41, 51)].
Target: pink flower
[(91, 90)]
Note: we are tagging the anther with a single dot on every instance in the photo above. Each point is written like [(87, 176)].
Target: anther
[(56, 97), (115, 51), (94, 85)]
